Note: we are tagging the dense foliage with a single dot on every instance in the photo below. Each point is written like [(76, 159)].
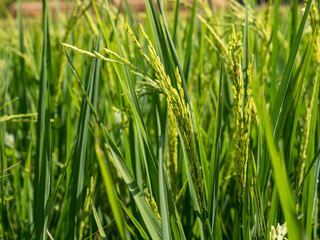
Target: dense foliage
[(182, 122)]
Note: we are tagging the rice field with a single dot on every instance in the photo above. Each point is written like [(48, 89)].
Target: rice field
[(184, 121)]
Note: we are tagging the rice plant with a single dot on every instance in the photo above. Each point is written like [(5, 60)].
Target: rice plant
[(185, 121)]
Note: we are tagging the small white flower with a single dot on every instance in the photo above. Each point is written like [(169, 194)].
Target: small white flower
[(279, 233)]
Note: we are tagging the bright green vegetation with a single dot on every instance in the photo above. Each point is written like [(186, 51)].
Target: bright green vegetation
[(199, 123)]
